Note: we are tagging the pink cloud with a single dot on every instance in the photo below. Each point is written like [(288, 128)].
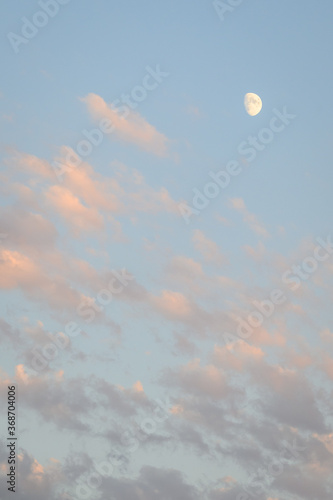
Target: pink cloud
[(75, 214), (172, 304), (133, 129), (205, 380)]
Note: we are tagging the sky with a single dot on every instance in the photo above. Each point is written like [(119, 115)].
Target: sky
[(166, 258)]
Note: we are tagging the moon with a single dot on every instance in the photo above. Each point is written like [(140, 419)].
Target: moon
[(253, 104)]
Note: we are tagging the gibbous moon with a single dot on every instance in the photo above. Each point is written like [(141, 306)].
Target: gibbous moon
[(253, 104)]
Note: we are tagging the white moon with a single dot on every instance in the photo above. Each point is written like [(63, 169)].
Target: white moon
[(253, 104)]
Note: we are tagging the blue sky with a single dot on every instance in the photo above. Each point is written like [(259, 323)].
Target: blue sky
[(163, 335)]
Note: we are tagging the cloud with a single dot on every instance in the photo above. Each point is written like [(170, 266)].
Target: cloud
[(133, 129), (172, 304), (152, 484), (36, 482), (124, 402), (94, 189), (138, 386), (305, 483), (186, 268), (10, 333), (67, 402), (249, 219), (183, 345), (237, 405), (79, 217), (204, 381), (63, 403), (327, 365), (29, 164), (19, 271), (289, 397), (27, 229), (237, 356), (86, 201), (257, 254)]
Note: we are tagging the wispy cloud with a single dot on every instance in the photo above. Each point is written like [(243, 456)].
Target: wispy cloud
[(133, 129)]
